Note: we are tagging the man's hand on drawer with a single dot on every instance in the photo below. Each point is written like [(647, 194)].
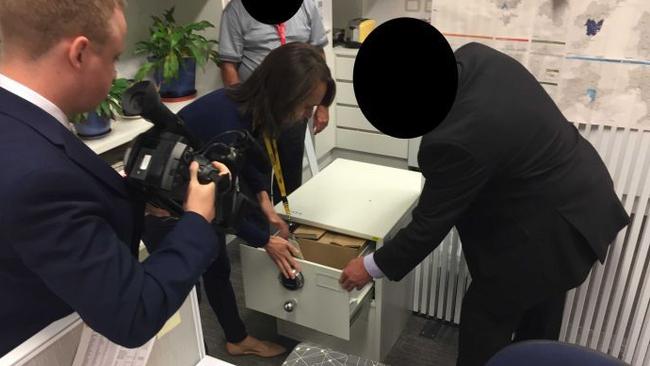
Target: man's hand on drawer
[(282, 253), (354, 275)]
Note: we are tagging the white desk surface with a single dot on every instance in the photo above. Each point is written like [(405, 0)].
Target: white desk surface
[(57, 333), (125, 130), (41, 339), (355, 198)]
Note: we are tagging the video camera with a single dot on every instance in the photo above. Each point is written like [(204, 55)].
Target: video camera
[(157, 163)]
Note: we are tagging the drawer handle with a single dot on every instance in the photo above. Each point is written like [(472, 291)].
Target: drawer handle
[(290, 305)]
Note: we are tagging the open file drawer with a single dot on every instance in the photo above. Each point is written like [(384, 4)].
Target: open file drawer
[(320, 304), (357, 199)]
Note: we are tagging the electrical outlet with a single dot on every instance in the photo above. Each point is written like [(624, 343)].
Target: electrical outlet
[(412, 5)]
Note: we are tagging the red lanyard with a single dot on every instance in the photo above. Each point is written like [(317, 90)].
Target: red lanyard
[(280, 28)]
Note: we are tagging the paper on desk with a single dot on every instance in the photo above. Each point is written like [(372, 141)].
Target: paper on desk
[(96, 350)]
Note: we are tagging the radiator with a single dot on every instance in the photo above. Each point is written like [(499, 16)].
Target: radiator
[(441, 280), (610, 311)]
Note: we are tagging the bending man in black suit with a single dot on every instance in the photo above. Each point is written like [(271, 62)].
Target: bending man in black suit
[(532, 201)]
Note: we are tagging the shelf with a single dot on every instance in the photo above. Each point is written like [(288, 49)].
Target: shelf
[(343, 51), (125, 130), (122, 132)]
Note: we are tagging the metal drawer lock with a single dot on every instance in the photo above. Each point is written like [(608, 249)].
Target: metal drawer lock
[(290, 305), (292, 284)]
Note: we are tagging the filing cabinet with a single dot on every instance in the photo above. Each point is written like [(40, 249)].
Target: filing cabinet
[(353, 198), (353, 131)]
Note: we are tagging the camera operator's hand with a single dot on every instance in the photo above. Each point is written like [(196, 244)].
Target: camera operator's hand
[(201, 197), (282, 253), (273, 217)]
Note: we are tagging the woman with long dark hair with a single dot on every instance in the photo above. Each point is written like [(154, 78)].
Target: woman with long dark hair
[(283, 91)]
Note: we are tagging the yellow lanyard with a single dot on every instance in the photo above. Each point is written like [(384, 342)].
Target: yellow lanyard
[(272, 151)]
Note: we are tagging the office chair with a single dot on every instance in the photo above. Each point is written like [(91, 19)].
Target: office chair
[(551, 353)]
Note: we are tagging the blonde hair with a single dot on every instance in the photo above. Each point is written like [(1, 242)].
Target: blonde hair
[(36, 25)]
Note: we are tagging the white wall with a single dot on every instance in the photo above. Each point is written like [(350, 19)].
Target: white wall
[(345, 10), (383, 10), (138, 15), (380, 10)]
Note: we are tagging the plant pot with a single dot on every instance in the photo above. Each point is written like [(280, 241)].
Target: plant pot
[(93, 127), (179, 89)]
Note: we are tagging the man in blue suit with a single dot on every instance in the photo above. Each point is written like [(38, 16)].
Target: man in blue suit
[(69, 228)]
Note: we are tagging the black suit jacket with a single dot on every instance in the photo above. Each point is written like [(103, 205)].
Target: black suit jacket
[(68, 232), (532, 201)]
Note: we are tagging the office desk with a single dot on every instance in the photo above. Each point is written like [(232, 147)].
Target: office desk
[(363, 200)]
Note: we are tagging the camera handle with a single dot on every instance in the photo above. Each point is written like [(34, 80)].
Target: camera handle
[(208, 173)]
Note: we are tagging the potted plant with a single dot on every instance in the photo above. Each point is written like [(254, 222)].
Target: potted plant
[(173, 52), (97, 123)]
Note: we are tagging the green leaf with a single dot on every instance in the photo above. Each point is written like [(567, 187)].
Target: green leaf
[(103, 110), (120, 85), (170, 68), (79, 117), (214, 56), (198, 55), (169, 15), (175, 40), (169, 42), (156, 20), (204, 24), (142, 47), (114, 107), (144, 70), (114, 98)]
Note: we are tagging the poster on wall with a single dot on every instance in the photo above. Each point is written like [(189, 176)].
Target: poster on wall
[(611, 29), (591, 56), (383, 10), (606, 92)]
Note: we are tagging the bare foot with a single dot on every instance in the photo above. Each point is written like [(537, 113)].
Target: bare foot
[(253, 346)]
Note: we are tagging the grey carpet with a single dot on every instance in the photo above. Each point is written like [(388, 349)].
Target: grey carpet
[(411, 349)]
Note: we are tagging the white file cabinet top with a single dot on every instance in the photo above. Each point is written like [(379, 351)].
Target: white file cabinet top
[(355, 198)]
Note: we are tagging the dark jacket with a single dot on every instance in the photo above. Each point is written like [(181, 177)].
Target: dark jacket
[(210, 116), (69, 230), (532, 200)]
